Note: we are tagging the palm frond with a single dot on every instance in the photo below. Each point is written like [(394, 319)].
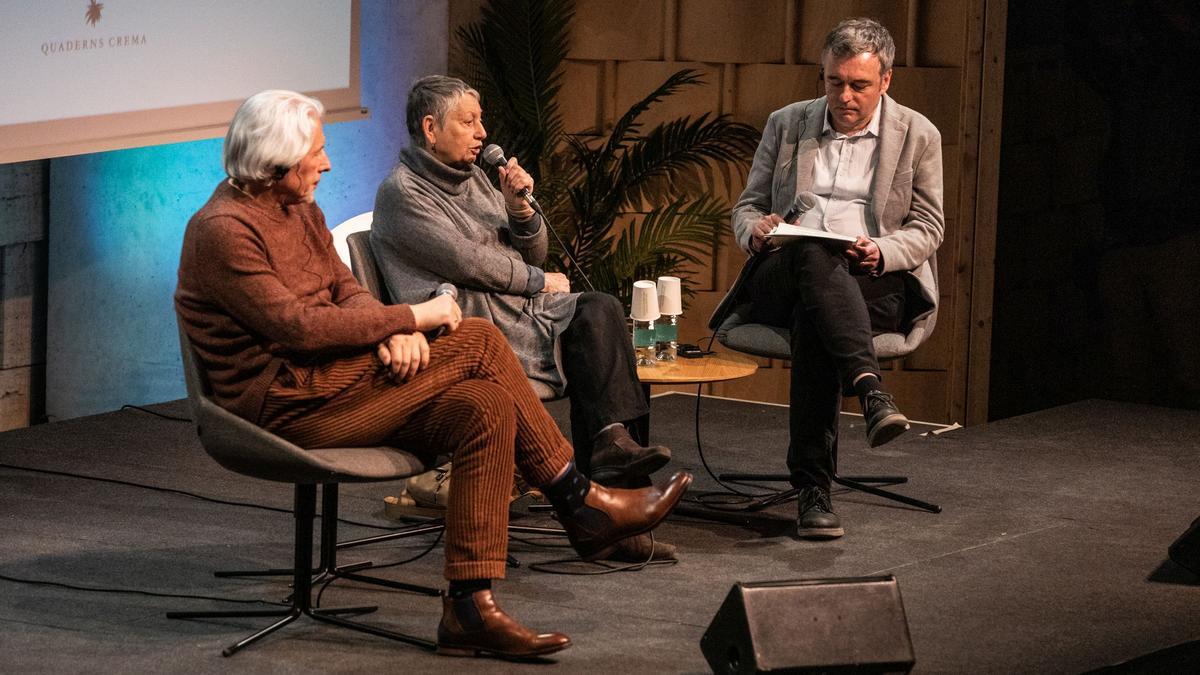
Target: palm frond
[(682, 232), (626, 128), (520, 45), (676, 155)]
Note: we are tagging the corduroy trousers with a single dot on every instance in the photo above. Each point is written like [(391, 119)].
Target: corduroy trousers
[(472, 402)]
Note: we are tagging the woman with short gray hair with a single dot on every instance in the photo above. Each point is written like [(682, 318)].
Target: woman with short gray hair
[(438, 218), (433, 96)]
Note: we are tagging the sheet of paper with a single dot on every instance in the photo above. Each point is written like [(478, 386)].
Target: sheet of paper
[(783, 231)]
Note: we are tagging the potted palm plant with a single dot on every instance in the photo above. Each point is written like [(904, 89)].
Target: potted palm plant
[(595, 188)]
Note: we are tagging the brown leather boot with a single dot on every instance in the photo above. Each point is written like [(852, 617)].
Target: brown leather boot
[(615, 455), (642, 548), (476, 626), (611, 514)]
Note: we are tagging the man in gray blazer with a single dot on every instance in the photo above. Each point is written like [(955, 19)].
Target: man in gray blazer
[(875, 170)]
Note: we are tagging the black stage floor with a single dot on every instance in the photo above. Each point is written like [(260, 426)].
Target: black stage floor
[(1050, 555)]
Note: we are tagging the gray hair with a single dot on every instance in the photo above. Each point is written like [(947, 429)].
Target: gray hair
[(861, 35), (433, 95), (272, 130)]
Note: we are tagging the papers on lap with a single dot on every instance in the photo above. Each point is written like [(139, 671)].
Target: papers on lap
[(784, 232)]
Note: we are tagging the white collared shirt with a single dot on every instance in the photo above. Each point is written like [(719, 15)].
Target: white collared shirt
[(842, 176)]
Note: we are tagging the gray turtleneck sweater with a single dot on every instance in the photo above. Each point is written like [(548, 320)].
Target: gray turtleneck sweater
[(435, 223)]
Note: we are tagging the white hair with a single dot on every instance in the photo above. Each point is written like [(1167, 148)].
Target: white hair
[(270, 133)]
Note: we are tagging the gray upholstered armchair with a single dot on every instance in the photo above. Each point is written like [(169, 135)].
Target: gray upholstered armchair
[(734, 329)]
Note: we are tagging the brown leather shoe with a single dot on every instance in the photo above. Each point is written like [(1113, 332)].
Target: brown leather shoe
[(476, 626), (615, 455), (609, 515), (642, 548)]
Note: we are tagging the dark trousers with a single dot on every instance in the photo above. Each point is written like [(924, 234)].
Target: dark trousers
[(602, 382), (833, 316)]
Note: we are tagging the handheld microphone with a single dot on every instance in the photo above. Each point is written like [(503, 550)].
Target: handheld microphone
[(800, 205), (804, 202), (444, 288), (494, 155)]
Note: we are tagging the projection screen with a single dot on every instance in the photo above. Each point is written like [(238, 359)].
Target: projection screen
[(83, 76)]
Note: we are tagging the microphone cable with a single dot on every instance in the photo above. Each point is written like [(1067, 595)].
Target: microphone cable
[(494, 155), (734, 500), (561, 244)]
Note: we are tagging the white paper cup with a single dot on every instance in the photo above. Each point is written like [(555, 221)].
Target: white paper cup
[(645, 301), (669, 302)]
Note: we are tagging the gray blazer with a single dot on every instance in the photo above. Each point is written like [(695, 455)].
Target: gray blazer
[(906, 196)]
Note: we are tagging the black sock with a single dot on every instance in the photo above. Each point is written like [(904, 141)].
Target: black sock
[(867, 383), (465, 587), (566, 493)]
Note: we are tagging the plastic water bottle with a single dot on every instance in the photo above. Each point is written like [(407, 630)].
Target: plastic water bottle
[(644, 341), (666, 335)]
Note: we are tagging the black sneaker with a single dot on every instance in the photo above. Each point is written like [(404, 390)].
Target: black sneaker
[(817, 519), (884, 420)]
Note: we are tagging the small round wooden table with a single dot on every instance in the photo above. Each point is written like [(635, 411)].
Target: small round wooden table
[(715, 367)]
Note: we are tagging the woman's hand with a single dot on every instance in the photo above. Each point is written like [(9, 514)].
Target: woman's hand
[(514, 181), (557, 282)]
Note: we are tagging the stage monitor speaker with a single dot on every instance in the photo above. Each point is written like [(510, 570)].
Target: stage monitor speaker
[(1186, 549), (854, 625)]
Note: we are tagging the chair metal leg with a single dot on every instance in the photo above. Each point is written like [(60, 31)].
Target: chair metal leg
[(231, 614), (887, 494), (322, 615), (247, 641), (302, 580), (415, 531), (330, 546), (859, 483)]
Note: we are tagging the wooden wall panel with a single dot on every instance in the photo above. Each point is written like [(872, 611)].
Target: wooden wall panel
[(934, 92), (941, 32), (950, 177), (17, 387), (817, 17), (732, 31), (761, 89), (582, 96), (619, 30), (23, 206), (22, 293)]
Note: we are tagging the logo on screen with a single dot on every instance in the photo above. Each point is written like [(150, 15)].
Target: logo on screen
[(93, 12)]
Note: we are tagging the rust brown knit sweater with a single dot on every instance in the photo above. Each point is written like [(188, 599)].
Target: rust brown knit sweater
[(261, 285)]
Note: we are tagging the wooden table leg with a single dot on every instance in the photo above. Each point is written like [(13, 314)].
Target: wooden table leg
[(641, 426)]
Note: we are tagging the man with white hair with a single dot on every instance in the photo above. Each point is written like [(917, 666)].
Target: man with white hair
[(875, 168), (290, 342)]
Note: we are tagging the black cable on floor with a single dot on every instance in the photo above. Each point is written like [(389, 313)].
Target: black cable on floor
[(134, 591), (397, 563), (165, 416), (547, 567), (737, 500), (193, 495)]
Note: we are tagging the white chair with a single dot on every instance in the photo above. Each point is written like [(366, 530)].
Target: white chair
[(358, 223)]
